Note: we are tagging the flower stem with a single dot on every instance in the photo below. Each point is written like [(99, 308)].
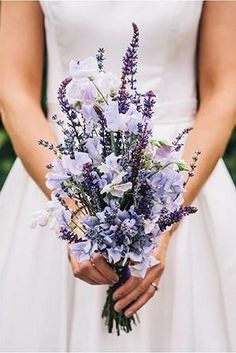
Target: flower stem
[(113, 319)]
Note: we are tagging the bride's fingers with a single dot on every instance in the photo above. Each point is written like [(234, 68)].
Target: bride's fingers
[(153, 274), (134, 282), (86, 272), (94, 275), (102, 266), (141, 301), (126, 288)]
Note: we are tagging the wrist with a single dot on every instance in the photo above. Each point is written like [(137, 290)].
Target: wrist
[(164, 240)]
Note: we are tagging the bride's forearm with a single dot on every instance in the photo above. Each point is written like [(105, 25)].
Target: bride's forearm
[(212, 129), (26, 124)]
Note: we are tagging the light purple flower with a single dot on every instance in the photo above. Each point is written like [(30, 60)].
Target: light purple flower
[(57, 177), (166, 183), (114, 254), (54, 180), (122, 122), (89, 113), (86, 92), (83, 250), (94, 149), (133, 119), (140, 268), (75, 166), (115, 120)]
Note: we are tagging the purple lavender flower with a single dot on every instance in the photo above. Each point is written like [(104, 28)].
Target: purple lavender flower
[(129, 70)]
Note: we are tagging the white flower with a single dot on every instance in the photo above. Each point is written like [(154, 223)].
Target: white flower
[(83, 68), (116, 187), (111, 165), (48, 216), (107, 82), (116, 190), (40, 218)]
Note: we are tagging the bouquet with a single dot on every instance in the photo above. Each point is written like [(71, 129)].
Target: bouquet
[(126, 185)]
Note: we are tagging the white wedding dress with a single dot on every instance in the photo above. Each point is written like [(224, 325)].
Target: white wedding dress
[(42, 306)]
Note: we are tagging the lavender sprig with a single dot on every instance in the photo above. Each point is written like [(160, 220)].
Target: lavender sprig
[(71, 136), (179, 137), (100, 58), (129, 69), (149, 102), (105, 136), (193, 166), (148, 105), (47, 145), (169, 218)]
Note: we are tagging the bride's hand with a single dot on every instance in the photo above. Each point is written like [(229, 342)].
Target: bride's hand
[(137, 291), (96, 271)]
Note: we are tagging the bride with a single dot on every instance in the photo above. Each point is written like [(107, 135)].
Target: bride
[(187, 56)]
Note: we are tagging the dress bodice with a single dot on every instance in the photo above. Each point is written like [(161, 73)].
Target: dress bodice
[(167, 53)]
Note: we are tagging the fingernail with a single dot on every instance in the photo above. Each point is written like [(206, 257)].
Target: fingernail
[(129, 313), (115, 281), (117, 308), (116, 297)]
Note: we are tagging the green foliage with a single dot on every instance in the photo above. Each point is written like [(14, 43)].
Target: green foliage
[(230, 156), (7, 155)]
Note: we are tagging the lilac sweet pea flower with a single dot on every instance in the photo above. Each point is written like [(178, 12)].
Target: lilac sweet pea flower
[(94, 149), (140, 269), (54, 180), (57, 177), (75, 166), (122, 122), (167, 183), (83, 250), (89, 113), (115, 120), (133, 119), (85, 92)]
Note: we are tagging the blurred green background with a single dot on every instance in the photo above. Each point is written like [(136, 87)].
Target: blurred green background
[(7, 155)]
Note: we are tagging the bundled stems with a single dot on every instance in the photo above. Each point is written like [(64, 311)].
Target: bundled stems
[(114, 319)]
